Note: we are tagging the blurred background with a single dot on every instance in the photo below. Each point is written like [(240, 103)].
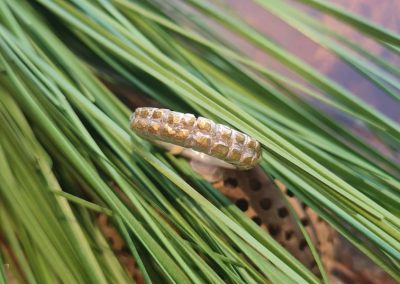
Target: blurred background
[(385, 13)]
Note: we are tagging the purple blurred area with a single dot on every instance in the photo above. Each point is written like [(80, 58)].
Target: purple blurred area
[(385, 13)]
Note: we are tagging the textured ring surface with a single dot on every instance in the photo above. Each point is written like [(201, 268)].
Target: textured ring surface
[(200, 134)]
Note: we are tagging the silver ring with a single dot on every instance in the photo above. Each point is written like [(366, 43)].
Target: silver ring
[(199, 134)]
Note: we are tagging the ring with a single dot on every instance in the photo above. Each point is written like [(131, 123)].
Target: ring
[(199, 134)]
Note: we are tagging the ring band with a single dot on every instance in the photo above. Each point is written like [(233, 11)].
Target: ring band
[(201, 134)]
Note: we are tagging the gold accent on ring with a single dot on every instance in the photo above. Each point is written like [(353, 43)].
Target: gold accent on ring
[(200, 134)]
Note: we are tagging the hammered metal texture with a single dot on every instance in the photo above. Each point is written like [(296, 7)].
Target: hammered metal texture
[(200, 134)]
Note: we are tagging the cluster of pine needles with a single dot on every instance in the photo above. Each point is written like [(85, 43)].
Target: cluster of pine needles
[(67, 153)]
